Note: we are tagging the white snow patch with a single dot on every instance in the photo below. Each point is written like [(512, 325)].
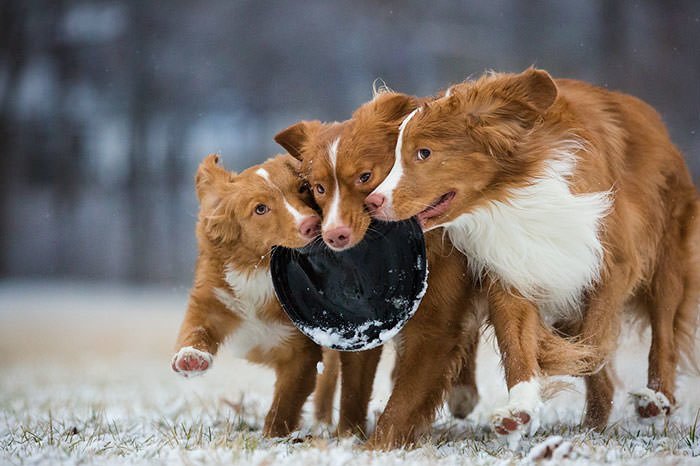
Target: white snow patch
[(113, 383), (554, 449)]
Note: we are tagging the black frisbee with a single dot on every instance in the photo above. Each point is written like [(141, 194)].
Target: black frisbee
[(359, 298)]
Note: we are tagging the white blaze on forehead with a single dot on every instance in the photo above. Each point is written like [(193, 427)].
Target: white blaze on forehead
[(296, 215), (332, 218), (387, 187), (263, 174)]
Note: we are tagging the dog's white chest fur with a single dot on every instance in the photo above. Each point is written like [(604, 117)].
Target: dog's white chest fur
[(250, 293), (543, 241)]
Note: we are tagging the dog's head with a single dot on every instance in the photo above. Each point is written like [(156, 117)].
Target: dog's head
[(345, 161), (457, 151), (264, 206)]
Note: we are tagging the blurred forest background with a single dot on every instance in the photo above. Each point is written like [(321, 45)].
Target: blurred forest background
[(107, 106)]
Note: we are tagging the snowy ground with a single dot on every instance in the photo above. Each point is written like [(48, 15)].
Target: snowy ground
[(85, 379)]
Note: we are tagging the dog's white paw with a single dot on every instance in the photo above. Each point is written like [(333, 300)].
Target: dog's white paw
[(191, 362), (511, 424), (322, 430), (462, 400), (521, 415), (551, 449), (650, 406)]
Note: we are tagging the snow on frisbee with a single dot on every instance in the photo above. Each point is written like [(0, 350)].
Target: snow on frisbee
[(356, 299)]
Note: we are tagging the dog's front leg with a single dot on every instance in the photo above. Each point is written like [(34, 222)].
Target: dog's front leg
[(357, 371), (205, 326), (425, 368), (516, 321)]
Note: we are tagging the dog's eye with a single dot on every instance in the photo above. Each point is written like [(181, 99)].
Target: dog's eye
[(320, 189), (305, 187), (423, 154), (364, 177), (261, 209)]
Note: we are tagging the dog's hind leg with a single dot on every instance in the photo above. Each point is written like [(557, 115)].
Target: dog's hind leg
[(600, 388), (656, 400), (464, 395), (673, 298), (599, 398)]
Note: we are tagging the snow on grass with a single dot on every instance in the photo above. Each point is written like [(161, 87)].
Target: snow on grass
[(85, 378)]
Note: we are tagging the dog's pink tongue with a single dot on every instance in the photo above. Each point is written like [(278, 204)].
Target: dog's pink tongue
[(435, 210)]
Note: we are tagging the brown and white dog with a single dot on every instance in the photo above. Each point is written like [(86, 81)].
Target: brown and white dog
[(431, 347), (241, 218), (437, 349), (570, 201)]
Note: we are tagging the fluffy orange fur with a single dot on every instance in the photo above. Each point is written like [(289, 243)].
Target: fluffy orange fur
[(491, 138), (235, 237), (437, 348), (366, 146)]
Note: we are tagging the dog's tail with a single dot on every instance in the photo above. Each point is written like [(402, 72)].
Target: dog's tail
[(559, 355)]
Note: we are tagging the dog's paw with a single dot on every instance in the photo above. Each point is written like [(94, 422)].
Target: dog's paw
[(553, 448), (321, 429), (650, 405), (462, 400), (191, 362), (521, 415), (511, 424), (506, 421)]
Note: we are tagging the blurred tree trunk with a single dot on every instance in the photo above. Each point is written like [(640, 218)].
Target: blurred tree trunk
[(677, 34), (67, 145), (671, 32), (526, 14), (13, 37), (175, 168), (613, 41), (140, 108)]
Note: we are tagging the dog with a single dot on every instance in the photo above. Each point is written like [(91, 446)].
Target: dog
[(570, 202), (432, 345), (241, 218), (344, 162)]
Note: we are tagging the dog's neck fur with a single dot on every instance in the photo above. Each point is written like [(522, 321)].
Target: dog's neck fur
[(541, 239), (249, 295), (248, 290), (246, 274)]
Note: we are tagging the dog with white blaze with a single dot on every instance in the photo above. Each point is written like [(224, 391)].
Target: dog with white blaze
[(232, 302), (436, 350), (570, 203)]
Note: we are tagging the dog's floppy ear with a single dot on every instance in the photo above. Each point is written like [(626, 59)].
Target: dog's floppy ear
[(533, 87), (523, 97), (295, 138), (209, 179), (505, 107), (213, 182), (220, 225), (393, 106)]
